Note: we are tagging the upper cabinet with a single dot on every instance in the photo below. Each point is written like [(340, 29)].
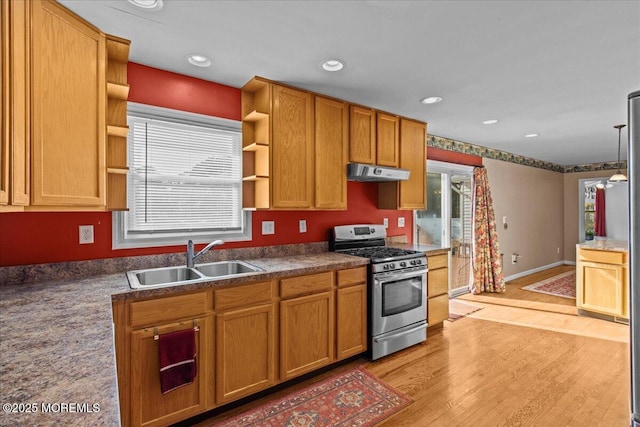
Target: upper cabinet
[(331, 146), (408, 194), (388, 140), (362, 136), (55, 148), (296, 146)]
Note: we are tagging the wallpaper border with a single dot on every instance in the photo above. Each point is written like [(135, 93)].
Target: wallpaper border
[(490, 153)]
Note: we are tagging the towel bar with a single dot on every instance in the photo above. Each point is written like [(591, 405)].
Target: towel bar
[(156, 335)]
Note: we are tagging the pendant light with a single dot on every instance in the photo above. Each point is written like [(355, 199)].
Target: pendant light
[(618, 176)]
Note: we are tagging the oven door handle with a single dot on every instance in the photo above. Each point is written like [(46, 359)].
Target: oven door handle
[(401, 334), (393, 276)]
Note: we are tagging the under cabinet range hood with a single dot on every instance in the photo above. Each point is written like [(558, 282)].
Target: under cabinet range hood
[(373, 173)]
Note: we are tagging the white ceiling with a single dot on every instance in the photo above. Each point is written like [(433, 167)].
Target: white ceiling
[(562, 69)]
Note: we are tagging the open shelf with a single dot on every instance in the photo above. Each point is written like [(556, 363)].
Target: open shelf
[(255, 116), (256, 146), (117, 91), (122, 131)]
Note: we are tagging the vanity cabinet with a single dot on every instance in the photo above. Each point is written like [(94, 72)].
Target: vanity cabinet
[(437, 289), (351, 312), (245, 340), (54, 101), (410, 194), (306, 324), (601, 282)]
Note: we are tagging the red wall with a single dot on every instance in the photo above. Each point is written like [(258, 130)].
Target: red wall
[(42, 237)]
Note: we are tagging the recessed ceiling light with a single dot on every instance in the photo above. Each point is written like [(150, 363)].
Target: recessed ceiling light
[(531, 135), (151, 5), (333, 65), (490, 122), (199, 60), (431, 100)]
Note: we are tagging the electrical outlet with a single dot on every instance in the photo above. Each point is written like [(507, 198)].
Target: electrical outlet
[(558, 250), (268, 227), (386, 222), (400, 221), (86, 234), (302, 225)]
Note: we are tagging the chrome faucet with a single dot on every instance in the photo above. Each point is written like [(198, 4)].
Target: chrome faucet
[(191, 257)]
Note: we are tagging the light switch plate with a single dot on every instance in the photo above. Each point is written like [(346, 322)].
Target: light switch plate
[(303, 225), (386, 222), (401, 221), (268, 227)]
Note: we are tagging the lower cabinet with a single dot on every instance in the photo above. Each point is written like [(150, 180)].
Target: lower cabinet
[(149, 407), (351, 313), (251, 337), (601, 282), (437, 289), (306, 326)]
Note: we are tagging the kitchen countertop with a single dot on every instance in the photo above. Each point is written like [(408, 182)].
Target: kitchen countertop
[(56, 346), (605, 245), (429, 250)]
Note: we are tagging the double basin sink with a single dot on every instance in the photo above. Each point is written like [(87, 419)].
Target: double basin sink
[(175, 276)]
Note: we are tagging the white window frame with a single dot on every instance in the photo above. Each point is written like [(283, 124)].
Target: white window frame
[(122, 239)]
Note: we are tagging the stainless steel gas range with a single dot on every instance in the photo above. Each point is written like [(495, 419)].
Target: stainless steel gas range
[(397, 287)]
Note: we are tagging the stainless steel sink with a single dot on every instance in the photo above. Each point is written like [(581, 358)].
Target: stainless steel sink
[(226, 268), (175, 276)]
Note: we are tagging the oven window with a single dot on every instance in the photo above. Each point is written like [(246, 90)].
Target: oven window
[(401, 295)]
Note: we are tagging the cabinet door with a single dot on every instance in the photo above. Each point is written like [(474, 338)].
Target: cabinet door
[(362, 141), (437, 309), (437, 282), (602, 288), (387, 140), (306, 334), (413, 157), (16, 132), (351, 321), (149, 407), (292, 149), (68, 109), (245, 340), (331, 132)]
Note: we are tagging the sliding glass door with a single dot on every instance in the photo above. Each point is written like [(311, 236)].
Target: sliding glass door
[(447, 221)]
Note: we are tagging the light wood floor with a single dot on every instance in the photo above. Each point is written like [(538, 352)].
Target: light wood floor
[(507, 365)]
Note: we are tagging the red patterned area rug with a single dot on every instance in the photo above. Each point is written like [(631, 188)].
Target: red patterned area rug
[(352, 398), (562, 285)]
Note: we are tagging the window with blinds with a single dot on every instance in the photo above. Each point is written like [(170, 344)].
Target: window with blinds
[(184, 180)]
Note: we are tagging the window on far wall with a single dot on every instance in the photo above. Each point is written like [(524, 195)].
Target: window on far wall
[(184, 181)]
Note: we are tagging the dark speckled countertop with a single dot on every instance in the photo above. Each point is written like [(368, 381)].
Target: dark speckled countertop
[(56, 341)]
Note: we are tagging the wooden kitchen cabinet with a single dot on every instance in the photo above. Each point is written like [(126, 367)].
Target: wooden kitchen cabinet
[(351, 312), (362, 135), (54, 150), (149, 407), (245, 341), (410, 194), (387, 140), (601, 282), (437, 289), (331, 150), (306, 324)]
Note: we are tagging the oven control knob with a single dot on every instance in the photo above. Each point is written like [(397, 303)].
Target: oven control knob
[(403, 264), (416, 262)]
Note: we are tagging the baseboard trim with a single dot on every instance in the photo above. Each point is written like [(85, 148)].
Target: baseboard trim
[(536, 270)]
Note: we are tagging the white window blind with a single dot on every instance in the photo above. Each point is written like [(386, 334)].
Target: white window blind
[(183, 177)]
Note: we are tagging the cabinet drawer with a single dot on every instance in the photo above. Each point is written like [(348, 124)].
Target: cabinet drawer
[(306, 284), (438, 261), (437, 282), (352, 276), (607, 257), (242, 296), (438, 309), (167, 309)]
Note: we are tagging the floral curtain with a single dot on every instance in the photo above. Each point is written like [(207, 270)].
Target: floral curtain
[(487, 265), (600, 228)]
